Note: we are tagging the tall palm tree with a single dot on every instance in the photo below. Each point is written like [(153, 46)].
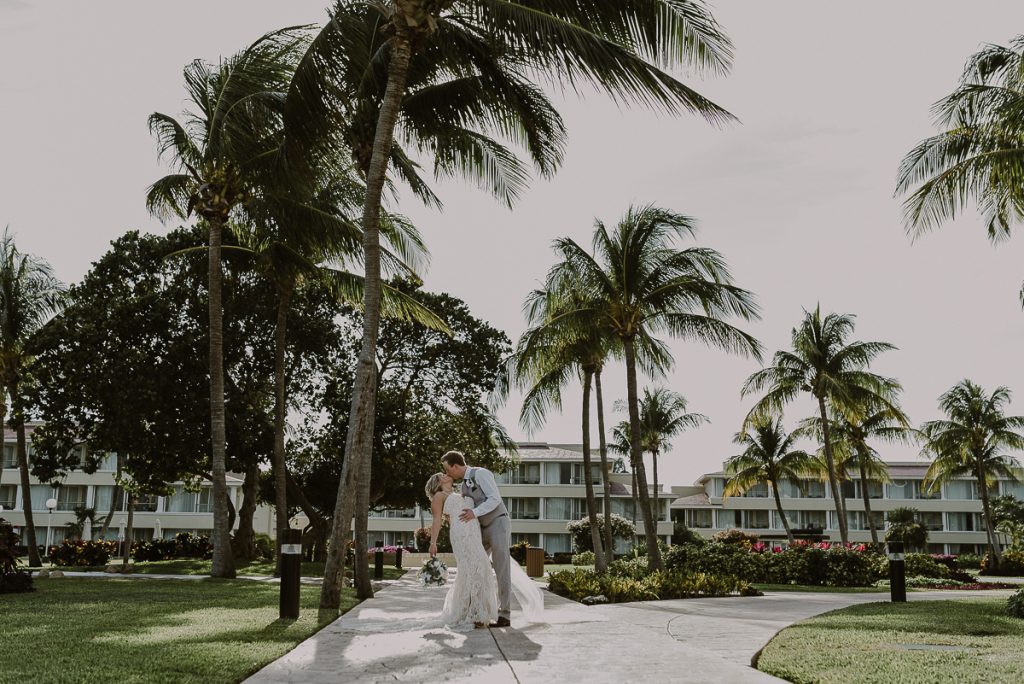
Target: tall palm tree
[(979, 154), (639, 285), (972, 440), (834, 372), (226, 153), (663, 415), (768, 457), (29, 296), (619, 47), (620, 445), (850, 435)]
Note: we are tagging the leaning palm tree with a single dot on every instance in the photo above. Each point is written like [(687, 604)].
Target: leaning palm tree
[(623, 48), (834, 372), (29, 296), (979, 155), (850, 435), (972, 440), (768, 457), (663, 415), (638, 285)]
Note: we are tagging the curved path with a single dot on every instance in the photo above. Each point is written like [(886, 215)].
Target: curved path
[(389, 639)]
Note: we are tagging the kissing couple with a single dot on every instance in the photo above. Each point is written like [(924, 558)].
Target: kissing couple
[(479, 524)]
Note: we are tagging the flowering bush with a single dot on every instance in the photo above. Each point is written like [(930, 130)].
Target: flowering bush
[(968, 561), (154, 550), (184, 545), (77, 552), (389, 549), (579, 583), (444, 541), (738, 537), (580, 531)]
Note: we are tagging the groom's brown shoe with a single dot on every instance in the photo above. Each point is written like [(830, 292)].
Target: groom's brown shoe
[(501, 622)]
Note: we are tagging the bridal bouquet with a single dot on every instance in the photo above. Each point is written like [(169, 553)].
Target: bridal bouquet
[(433, 572)]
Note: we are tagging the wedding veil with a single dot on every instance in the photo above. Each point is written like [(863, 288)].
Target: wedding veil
[(528, 593)]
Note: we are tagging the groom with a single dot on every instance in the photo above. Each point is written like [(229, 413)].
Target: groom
[(495, 528)]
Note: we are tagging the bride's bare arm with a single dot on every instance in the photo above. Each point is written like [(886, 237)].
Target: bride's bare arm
[(436, 510)]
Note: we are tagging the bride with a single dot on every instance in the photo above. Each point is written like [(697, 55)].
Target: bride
[(474, 595)]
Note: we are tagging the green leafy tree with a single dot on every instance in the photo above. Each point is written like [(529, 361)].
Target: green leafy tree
[(833, 371), (905, 527), (583, 537), (1008, 517), (621, 48), (972, 440), (978, 156), (29, 296), (768, 457), (638, 285)]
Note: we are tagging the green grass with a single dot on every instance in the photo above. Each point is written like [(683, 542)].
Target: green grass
[(192, 566), (862, 644), (818, 588), (120, 630)]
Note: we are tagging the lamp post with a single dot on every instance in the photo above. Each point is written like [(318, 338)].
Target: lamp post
[(50, 505)]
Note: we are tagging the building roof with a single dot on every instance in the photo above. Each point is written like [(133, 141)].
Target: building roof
[(692, 501)]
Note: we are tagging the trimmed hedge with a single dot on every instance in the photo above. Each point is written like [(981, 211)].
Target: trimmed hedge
[(580, 583), (184, 545), (77, 552)]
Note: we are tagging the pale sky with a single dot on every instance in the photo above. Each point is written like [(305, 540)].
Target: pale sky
[(798, 197)]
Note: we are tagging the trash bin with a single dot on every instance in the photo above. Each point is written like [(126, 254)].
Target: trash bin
[(534, 562)]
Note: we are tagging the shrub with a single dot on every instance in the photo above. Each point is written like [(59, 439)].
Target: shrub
[(561, 558), (923, 565), (13, 580), (738, 537), (968, 561), (444, 540), (1012, 565), (580, 531), (584, 558), (681, 534), (1015, 604), (632, 568), (578, 583), (264, 546), (717, 558), (82, 553), (847, 567), (187, 545), (905, 527), (154, 550)]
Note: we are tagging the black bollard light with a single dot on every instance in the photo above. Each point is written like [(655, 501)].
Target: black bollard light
[(897, 573), (291, 570), (398, 558), (378, 561)]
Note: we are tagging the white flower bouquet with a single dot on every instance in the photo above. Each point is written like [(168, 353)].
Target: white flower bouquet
[(433, 573)]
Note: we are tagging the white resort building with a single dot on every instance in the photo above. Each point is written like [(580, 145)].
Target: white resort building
[(952, 515)]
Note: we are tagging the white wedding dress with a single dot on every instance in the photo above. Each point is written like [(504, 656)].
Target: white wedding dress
[(474, 595)]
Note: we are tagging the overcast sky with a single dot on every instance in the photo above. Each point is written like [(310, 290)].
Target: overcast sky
[(798, 197)]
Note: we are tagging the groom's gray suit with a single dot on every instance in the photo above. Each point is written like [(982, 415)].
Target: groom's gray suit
[(495, 529)]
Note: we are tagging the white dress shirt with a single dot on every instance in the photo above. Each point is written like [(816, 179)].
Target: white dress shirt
[(484, 479)]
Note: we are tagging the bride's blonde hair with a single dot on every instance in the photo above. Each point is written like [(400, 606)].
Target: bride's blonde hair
[(433, 485)]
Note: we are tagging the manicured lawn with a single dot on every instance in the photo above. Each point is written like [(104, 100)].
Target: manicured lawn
[(123, 630), (882, 642), (190, 566), (818, 588)]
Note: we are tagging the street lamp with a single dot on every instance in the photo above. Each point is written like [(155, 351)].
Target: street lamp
[(50, 505)]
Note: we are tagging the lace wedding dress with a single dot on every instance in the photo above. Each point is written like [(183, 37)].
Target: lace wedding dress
[(474, 595)]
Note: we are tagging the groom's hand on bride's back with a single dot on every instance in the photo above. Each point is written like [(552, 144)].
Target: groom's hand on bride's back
[(466, 515)]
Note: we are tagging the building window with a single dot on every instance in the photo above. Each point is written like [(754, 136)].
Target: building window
[(717, 486), (754, 520), (70, 497), (108, 463), (8, 497), (964, 522), (804, 489), (910, 489), (531, 538), (623, 507), (578, 474), (10, 457), (557, 543), (205, 504), (182, 501), (101, 498), (558, 508), (962, 489), (40, 493), (523, 508), (525, 473), (854, 489), (758, 491), (858, 520), (801, 520), (698, 518), (1014, 488)]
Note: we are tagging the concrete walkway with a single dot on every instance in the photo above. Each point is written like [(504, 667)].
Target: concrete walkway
[(394, 637)]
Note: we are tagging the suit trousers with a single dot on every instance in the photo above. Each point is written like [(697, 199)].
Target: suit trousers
[(497, 538)]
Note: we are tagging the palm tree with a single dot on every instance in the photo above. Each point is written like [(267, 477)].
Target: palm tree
[(663, 415), (972, 441), (850, 435), (546, 358), (639, 284), (29, 296), (621, 446), (979, 154), (834, 372), (768, 457), (486, 47)]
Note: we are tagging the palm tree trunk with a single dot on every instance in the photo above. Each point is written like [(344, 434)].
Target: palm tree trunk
[(609, 542), (588, 477), (128, 529), (34, 561), (284, 296), (654, 561), (359, 440), (867, 499), (987, 511), (832, 479), (223, 564), (632, 470), (656, 511), (245, 537), (782, 513), (361, 566)]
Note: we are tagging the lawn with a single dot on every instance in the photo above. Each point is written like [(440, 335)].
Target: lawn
[(884, 642), (122, 630), (192, 566), (819, 588)]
